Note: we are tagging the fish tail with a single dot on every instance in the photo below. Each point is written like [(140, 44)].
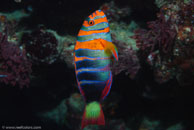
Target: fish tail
[(93, 114)]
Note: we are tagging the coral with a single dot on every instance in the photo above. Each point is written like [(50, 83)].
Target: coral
[(160, 3), (183, 53), (41, 46), (110, 107), (186, 23), (128, 60), (110, 125), (15, 15), (76, 103), (113, 12), (8, 27), (65, 47), (163, 74), (122, 32), (186, 14), (168, 44), (148, 124), (14, 63), (183, 63), (185, 59), (160, 37), (2, 22), (56, 114), (178, 126)]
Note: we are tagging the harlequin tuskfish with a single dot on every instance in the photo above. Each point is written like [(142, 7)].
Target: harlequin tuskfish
[(93, 54)]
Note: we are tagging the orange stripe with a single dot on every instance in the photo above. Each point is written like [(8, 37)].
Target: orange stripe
[(93, 15), (82, 32), (84, 58), (96, 14), (100, 13), (93, 45), (96, 21)]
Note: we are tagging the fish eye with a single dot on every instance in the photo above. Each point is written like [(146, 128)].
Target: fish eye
[(91, 22)]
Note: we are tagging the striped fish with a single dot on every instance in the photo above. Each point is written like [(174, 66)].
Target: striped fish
[(93, 54)]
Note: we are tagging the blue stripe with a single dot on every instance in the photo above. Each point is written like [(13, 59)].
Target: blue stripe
[(92, 63), (99, 58), (93, 34), (81, 49), (104, 23), (96, 26), (97, 17), (92, 68), (107, 39), (94, 86), (82, 82), (94, 29), (90, 60), (90, 53), (105, 36), (92, 71), (93, 75)]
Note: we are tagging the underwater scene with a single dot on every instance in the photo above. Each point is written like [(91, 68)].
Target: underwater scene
[(97, 65)]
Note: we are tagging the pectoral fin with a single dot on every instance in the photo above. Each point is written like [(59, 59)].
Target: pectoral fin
[(110, 49)]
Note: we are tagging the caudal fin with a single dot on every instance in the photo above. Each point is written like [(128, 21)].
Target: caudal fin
[(93, 114)]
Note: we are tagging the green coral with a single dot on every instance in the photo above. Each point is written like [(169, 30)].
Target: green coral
[(56, 115), (124, 32), (178, 126)]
